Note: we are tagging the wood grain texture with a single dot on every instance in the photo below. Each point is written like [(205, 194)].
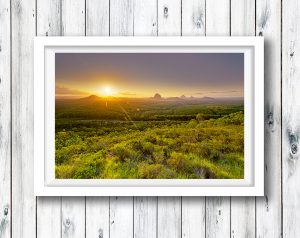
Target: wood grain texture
[(23, 200), (169, 17), (169, 217), (218, 208), (121, 17), (268, 208), (73, 208), (48, 222), (5, 121), (73, 217), (145, 208), (145, 217), (121, 208), (73, 17), (97, 17), (97, 217), (217, 217), (290, 117), (48, 23), (169, 208), (193, 17), (142, 217), (193, 217), (218, 17), (193, 208), (97, 208), (145, 17), (121, 217), (242, 208)]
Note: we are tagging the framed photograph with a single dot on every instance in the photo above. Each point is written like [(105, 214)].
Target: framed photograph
[(149, 116)]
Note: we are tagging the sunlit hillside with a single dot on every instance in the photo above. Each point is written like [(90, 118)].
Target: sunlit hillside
[(149, 138)]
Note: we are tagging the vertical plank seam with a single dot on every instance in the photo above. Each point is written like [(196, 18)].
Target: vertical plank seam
[(133, 10), (85, 16), (36, 207), (85, 23), (181, 211), (109, 217), (108, 17), (205, 202), (230, 196), (255, 200), (156, 217), (60, 216), (11, 109), (281, 133), (85, 216), (133, 212)]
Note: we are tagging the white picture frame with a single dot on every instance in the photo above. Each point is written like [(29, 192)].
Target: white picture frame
[(45, 183)]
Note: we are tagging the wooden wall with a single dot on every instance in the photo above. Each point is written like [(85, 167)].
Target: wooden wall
[(274, 215)]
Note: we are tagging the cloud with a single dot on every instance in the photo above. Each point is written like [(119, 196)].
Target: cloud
[(217, 92), (127, 93), (64, 91)]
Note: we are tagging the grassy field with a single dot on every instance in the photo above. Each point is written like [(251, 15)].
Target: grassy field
[(172, 138)]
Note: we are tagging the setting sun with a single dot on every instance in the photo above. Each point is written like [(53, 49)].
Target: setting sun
[(107, 91)]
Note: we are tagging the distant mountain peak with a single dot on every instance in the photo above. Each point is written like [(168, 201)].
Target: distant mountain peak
[(208, 98), (91, 98), (157, 96), (183, 96)]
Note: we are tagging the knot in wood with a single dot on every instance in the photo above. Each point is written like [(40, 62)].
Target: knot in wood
[(5, 210), (270, 120), (294, 148), (198, 22), (68, 222), (166, 12), (100, 233)]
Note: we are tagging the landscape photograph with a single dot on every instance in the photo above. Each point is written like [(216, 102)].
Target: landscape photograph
[(149, 115)]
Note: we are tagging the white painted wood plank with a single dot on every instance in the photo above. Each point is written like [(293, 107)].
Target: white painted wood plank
[(268, 208), (145, 17), (193, 217), (73, 17), (23, 200), (48, 18), (193, 17), (169, 17), (242, 208), (73, 208), (121, 17), (73, 217), (48, 208), (97, 17), (97, 217), (121, 208), (121, 217), (218, 17), (145, 208), (218, 208), (145, 217), (290, 117), (5, 120), (193, 208), (169, 208), (217, 217), (48, 217), (169, 217), (97, 208), (242, 18), (242, 217)]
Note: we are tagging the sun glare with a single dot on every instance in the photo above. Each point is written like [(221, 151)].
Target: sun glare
[(107, 91)]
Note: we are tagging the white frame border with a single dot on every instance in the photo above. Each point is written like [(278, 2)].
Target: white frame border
[(47, 185)]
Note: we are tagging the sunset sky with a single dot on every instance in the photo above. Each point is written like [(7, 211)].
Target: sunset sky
[(144, 74)]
